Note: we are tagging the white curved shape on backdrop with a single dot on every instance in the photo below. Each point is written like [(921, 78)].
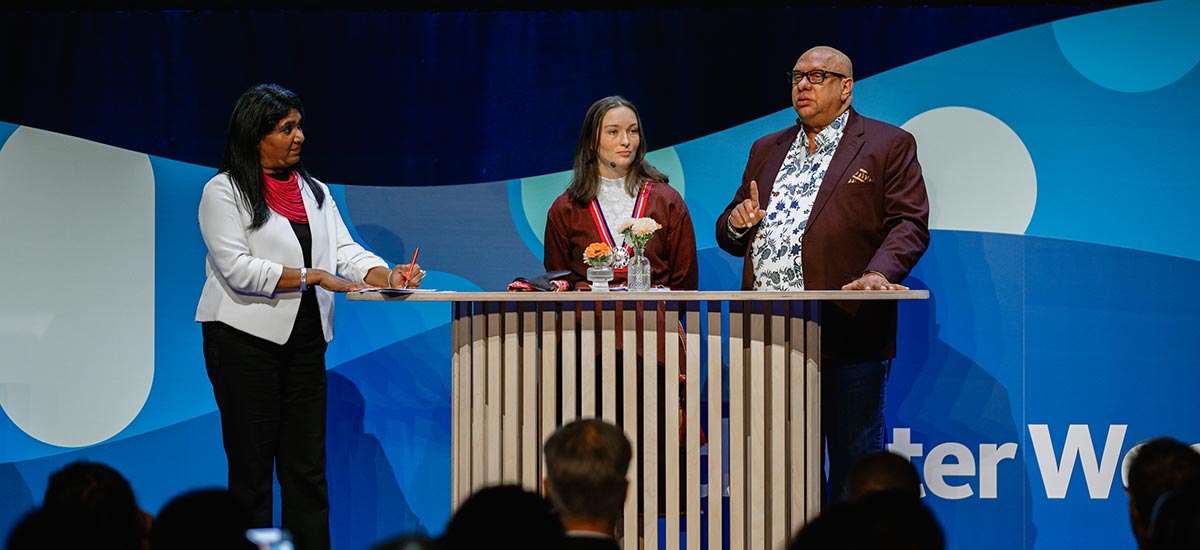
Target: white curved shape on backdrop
[(77, 329), (978, 172)]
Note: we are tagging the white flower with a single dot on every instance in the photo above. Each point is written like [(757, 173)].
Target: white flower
[(637, 231), (645, 226), (639, 226)]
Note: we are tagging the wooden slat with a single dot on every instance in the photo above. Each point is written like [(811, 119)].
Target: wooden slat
[(467, 366), (478, 396), (777, 467), (510, 469), (797, 482), (692, 437), (738, 461), (608, 363), (529, 396), (670, 434), (812, 375), (650, 434), (456, 385), (548, 408), (492, 412), (630, 406), (715, 431), (587, 362), (569, 363), (757, 458)]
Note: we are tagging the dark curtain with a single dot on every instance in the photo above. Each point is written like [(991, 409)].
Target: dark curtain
[(445, 97)]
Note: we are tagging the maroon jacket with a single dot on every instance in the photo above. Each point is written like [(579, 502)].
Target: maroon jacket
[(672, 250), (881, 224)]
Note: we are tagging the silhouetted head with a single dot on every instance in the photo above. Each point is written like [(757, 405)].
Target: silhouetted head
[(881, 472), (1175, 521), (878, 521), (95, 501), (1155, 468), (202, 520), (505, 516), (587, 462)]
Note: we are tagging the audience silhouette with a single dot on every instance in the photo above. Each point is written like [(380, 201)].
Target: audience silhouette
[(202, 520), (1175, 522), (587, 462), (86, 505), (91, 505), (882, 510), (1156, 468), (876, 521), (883, 471), (505, 516)]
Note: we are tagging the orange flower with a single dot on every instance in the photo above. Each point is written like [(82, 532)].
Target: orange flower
[(597, 250)]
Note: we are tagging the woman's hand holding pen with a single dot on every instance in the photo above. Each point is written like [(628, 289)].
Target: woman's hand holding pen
[(406, 276)]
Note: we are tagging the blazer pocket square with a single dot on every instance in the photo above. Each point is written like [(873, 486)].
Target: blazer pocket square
[(861, 176)]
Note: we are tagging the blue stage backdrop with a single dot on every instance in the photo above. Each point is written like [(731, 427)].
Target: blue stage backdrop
[(1057, 147)]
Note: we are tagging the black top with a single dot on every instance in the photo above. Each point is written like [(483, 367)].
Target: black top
[(309, 310)]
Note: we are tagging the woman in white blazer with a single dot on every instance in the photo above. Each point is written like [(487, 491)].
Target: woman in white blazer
[(277, 251)]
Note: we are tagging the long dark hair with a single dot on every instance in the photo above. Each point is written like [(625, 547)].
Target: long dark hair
[(586, 180), (254, 116)]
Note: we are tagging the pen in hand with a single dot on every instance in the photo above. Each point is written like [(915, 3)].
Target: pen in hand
[(411, 266)]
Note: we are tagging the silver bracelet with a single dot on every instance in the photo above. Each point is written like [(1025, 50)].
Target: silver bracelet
[(389, 280), (735, 233), (303, 279)]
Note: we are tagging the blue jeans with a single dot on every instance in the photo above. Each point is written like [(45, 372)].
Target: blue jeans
[(852, 397)]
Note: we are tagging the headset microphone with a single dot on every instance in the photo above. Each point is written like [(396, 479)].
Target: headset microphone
[(612, 164)]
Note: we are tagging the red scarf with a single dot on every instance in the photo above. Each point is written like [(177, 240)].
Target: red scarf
[(283, 196)]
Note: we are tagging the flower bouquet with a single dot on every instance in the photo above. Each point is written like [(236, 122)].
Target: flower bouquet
[(598, 257), (637, 232)]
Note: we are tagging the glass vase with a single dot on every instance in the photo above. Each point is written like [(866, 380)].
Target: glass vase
[(599, 278), (639, 271)]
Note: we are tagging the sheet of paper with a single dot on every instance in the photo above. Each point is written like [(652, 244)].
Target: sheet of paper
[(393, 291)]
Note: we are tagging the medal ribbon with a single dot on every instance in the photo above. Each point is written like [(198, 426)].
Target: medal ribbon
[(639, 208)]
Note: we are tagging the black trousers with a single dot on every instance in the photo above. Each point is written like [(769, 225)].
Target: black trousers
[(272, 400), (852, 402)]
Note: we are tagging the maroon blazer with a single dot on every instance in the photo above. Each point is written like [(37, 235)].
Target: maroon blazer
[(870, 214), (672, 250)]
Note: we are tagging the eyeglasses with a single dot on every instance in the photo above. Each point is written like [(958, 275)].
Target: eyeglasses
[(816, 76)]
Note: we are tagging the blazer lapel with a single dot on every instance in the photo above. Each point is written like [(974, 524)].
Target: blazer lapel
[(852, 141), (772, 164)]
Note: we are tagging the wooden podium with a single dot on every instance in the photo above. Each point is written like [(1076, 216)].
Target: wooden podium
[(526, 363)]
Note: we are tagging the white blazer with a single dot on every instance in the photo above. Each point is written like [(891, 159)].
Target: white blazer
[(244, 266)]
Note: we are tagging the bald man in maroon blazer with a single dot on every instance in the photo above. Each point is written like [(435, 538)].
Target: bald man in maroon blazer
[(841, 205)]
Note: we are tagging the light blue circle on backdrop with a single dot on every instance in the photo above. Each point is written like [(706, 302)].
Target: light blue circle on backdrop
[(1135, 48)]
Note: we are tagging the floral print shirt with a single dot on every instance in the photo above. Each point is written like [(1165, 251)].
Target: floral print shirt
[(775, 251)]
